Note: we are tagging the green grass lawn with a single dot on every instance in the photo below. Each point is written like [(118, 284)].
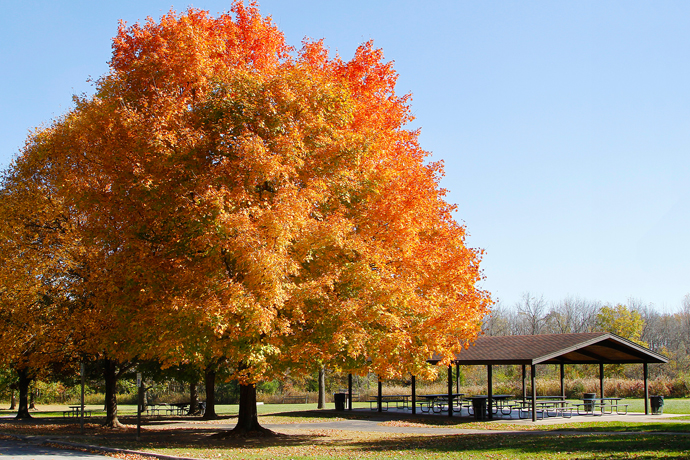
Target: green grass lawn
[(571, 440), (641, 446), (671, 406), (372, 445)]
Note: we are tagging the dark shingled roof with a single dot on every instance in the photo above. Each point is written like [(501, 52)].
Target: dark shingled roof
[(584, 348)]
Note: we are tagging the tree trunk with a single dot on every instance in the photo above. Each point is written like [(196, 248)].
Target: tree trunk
[(322, 388), (248, 418), (210, 382), (32, 404), (193, 399), (13, 401), (24, 382), (110, 375)]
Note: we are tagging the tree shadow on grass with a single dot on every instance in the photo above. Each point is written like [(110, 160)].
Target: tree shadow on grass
[(201, 438), (642, 446), (531, 445)]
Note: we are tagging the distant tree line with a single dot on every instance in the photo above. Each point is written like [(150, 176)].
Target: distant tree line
[(662, 332)]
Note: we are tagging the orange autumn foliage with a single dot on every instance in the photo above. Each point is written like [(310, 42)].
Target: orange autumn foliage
[(36, 250), (239, 199)]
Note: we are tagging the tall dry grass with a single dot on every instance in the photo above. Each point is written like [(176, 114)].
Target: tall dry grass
[(574, 389)]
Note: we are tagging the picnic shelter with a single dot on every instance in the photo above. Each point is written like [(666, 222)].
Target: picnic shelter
[(555, 349)]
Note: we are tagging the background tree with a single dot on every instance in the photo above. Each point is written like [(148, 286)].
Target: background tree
[(572, 315), (37, 250), (533, 311), (622, 321), (321, 402)]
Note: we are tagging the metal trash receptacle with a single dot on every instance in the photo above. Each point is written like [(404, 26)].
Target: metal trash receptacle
[(657, 403), (339, 400), (588, 400), (479, 408)]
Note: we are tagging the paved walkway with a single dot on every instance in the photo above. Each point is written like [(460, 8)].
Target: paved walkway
[(16, 449)]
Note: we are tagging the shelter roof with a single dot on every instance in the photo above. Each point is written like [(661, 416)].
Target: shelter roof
[(581, 348)]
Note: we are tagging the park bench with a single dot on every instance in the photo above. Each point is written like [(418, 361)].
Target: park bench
[(439, 404), (468, 405), (625, 406), (586, 408), (561, 411), (507, 408), (424, 406)]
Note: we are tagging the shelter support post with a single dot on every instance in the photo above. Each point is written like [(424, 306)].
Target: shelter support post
[(83, 381), (450, 390), (457, 377), (601, 379), (349, 391), (645, 372), (379, 399), (524, 383), (414, 395), (563, 380), (533, 376), (490, 389)]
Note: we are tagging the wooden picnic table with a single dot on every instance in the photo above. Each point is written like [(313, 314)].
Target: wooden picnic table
[(75, 411), (545, 406), (494, 397), (499, 402), (156, 408), (589, 405), (387, 399), (180, 408), (436, 401)]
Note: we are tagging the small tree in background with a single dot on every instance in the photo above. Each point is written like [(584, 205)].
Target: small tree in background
[(622, 321)]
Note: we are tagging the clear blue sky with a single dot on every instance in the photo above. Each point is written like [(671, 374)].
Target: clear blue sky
[(564, 126)]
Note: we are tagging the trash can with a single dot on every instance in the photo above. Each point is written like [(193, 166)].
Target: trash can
[(587, 398), (657, 403), (479, 408), (339, 400)]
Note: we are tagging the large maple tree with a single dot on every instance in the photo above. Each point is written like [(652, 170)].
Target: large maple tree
[(254, 204)]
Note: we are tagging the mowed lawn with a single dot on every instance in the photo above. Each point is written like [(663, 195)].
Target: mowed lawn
[(614, 440), (671, 406)]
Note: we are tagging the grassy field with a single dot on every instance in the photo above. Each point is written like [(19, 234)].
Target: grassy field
[(322, 444), (395, 446), (571, 440), (671, 406)]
